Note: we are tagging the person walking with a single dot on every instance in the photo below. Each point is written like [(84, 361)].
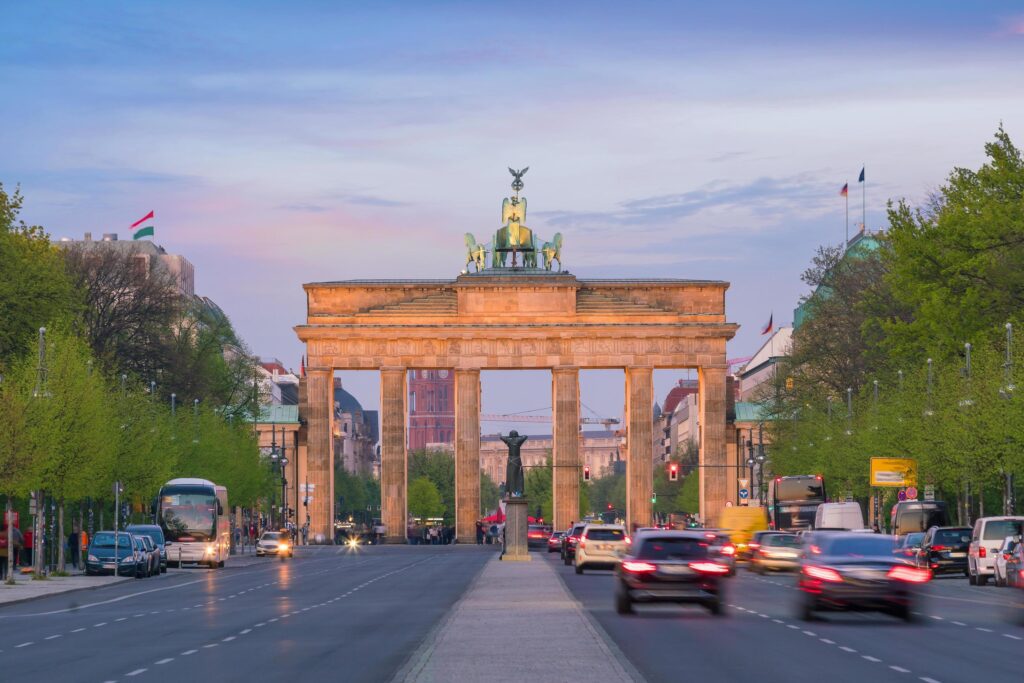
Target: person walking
[(479, 533)]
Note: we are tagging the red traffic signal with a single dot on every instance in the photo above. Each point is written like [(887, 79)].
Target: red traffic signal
[(673, 472), (586, 473), (609, 506)]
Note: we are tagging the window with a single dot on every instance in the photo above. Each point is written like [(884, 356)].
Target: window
[(672, 549)]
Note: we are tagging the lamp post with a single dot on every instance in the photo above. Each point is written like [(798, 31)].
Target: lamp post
[(284, 480), (273, 460)]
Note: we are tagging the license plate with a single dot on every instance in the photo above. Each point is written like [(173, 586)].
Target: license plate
[(604, 546), (108, 565), (958, 554), (672, 569)]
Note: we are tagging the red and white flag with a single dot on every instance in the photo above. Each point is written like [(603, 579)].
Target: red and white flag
[(767, 329)]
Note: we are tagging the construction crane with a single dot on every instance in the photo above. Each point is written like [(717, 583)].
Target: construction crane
[(493, 417)]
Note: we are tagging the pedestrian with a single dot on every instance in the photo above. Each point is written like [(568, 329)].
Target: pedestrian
[(73, 549), (479, 533), (19, 544)]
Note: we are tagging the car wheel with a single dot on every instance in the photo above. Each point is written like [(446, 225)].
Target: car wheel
[(623, 603), (579, 569), (906, 613), (715, 607), (806, 611), (982, 580), (971, 578), (565, 560)]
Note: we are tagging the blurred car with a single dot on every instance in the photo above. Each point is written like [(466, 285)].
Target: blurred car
[(107, 552), (152, 554), (555, 541), (155, 534), (274, 543), (739, 523), (600, 545), (670, 566), (1003, 555), (908, 545), (851, 571), (569, 542), (1015, 567), (944, 549), (776, 552), (537, 535), (986, 539), (722, 549)]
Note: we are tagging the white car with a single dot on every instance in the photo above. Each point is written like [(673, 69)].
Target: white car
[(986, 539), (1004, 553), (601, 545)]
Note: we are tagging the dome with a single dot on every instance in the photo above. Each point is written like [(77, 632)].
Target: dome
[(345, 402)]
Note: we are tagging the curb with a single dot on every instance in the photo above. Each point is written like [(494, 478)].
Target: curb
[(30, 598)]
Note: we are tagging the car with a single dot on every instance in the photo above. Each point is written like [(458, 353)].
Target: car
[(107, 552), (569, 542), (1003, 555), (722, 548), (274, 543), (917, 515), (843, 570), (600, 545), (152, 554), (555, 541), (777, 552), (740, 523), (143, 559), (537, 535), (908, 545), (156, 534), (848, 516), (1015, 567), (986, 538), (944, 549), (670, 566)]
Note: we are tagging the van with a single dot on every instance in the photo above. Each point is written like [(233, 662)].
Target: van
[(845, 516), (918, 516), (987, 537), (740, 523)]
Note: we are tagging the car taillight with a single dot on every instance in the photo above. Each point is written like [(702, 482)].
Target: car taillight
[(909, 574), (939, 547), (638, 567), (708, 568), (754, 546), (822, 573), (628, 540), (981, 551), (728, 550), (1006, 556)]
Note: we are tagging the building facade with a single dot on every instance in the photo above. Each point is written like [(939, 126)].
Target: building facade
[(356, 434), (431, 409)]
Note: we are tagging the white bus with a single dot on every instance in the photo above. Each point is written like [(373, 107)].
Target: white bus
[(193, 514)]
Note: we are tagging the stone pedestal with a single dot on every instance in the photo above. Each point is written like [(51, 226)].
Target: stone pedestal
[(516, 524)]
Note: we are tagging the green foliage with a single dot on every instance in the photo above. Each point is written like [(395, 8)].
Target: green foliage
[(356, 493), (688, 498), (539, 483), (608, 489), (424, 499), (437, 467), (488, 494)]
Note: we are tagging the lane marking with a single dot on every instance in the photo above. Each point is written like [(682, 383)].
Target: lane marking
[(827, 641), (870, 658), (164, 661), (102, 623), (928, 680), (186, 653), (52, 637), (136, 672), (209, 645), (244, 631), (121, 619), (984, 630), (810, 633), (23, 644), (936, 618), (227, 640), (78, 630), (959, 623), (899, 668), (1008, 635), (844, 648)]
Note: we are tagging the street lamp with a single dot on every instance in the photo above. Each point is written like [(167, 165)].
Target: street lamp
[(284, 480)]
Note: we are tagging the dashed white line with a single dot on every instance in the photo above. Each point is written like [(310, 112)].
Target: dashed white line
[(870, 658), (928, 680), (186, 653), (936, 618), (52, 637), (209, 645), (102, 623), (227, 640), (165, 660), (984, 630), (24, 644), (261, 624), (959, 623), (78, 630), (136, 672), (1009, 635), (244, 631), (844, 648), (899, 668), (121, 619), (810, 633), (793, 626), (778, 621), (827, 641)]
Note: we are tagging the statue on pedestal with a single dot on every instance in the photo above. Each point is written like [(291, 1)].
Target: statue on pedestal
[(514, 483)]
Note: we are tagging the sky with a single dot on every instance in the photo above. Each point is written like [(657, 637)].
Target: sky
[(283, 143)]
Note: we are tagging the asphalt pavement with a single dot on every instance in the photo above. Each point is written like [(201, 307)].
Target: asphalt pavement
[(327, 614), (965, 633)]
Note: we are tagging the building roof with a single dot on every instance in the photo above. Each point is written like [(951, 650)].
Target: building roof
[(278, 414), (776, 346), (747, 411), (685, 387), (346, 402)]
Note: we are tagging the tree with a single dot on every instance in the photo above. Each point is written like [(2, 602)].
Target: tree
[(424, 499), (488, 494), (34, 288), (688, 498), (439, 468)]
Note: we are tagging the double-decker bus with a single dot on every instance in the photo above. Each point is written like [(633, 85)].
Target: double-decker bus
[(792, 501), (193, 514)]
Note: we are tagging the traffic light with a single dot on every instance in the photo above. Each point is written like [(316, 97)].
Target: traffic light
[(654, 497), (673, 472), (609, 506), (586, 473)]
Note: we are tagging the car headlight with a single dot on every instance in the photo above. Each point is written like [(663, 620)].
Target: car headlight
[(92, 558), (127, 559), (282, 546), (209, 550)]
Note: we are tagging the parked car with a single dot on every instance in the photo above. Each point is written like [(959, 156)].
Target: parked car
[(274, 543), (569, 542), (537, 535), (918, 515), (669, 566), (1003, 555), (847, 516), (152, 554), (776, 552), (986, 539), (944, 549), (156, 534), (555, 541), (600, 545), (107, 551), (850, 571), (909, 545)]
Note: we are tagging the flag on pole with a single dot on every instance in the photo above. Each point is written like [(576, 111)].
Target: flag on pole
[(861, 178), (302, 366), (845, 192), (143, 227), (767, 329)]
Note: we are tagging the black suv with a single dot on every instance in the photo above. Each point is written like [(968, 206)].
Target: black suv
[(944, 549), (569, 541)]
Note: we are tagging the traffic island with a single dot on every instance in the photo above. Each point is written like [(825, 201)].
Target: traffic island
[(516, 526)]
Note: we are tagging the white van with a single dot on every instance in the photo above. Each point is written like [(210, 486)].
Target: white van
[(846, 516), (986, 539)]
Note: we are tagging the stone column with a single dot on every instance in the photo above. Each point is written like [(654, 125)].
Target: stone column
[(319, 459), (467, 454), (714, 476), (565, 442), (393, 458), (639, 446)]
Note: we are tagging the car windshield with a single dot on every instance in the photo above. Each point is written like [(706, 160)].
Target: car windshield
[(952, 537), (105, 539), (672, 549), (998, 529), (783, 541), (271, 536), (910, 540), (861, 546), (605, 535), (154, 534)]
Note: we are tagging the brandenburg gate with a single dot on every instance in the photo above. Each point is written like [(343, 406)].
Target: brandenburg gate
[(515, 317)]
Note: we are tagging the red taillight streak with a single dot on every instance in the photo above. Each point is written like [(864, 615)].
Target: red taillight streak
[(981, 551), (822, 573), (754, 546), (708, 568), (728, 550), (939, 547), (639, 567), (909, 574)]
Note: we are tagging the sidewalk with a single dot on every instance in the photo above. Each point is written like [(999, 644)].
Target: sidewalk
[(517, 622), (27, 589)]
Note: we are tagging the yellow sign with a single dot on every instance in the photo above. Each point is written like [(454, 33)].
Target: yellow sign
[(789, 384), (894, 472)]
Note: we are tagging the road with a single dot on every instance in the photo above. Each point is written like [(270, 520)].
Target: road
[(965, 634), (327, 614)]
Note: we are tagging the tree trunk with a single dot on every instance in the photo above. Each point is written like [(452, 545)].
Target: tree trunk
[(60, 537), (9, 519)]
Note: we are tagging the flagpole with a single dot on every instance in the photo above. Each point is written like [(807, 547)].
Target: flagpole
[(863, 202), (846, 196)]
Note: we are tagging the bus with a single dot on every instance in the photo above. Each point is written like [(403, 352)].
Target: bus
[(793, 501), (193, 514)]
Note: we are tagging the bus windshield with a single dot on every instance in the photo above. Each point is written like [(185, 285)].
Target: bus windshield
[(188, 513), (798, 488)]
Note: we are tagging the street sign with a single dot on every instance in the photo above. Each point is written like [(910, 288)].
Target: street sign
[(893, 472), (849, 497), (929, 492), (744, 494), (902, 495), (911, 493)]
